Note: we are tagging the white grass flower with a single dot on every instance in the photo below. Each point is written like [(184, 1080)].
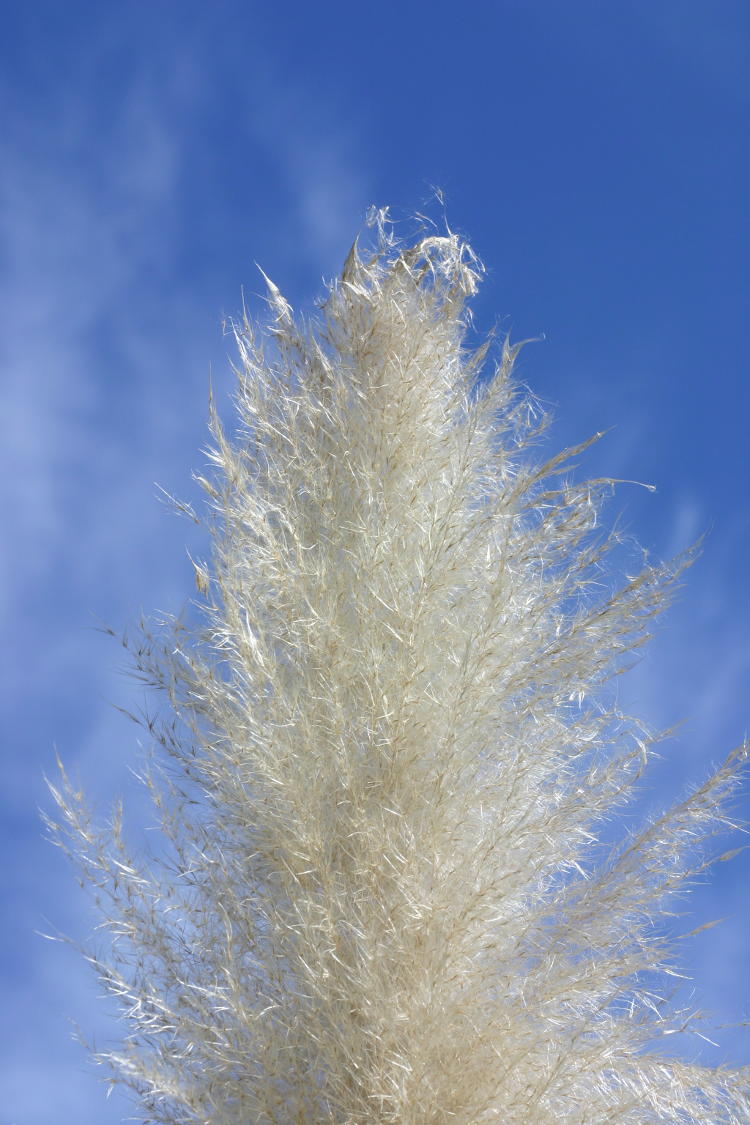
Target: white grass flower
[(380, 896)]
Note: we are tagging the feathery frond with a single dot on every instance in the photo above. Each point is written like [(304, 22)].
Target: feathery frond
[(392, 752)]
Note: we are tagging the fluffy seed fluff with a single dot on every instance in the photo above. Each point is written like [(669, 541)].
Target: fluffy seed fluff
[(392, 758)]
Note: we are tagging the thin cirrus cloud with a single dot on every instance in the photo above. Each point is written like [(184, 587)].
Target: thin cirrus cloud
[(76, 242), (102, 399), (318, 159)]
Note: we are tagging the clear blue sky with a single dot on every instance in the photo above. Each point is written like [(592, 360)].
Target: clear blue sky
[(595, 154)]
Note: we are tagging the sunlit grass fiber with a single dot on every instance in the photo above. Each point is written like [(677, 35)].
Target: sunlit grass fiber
[(382, 892)]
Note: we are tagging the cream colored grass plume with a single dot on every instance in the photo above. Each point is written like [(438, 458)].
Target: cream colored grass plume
[(379, 895)]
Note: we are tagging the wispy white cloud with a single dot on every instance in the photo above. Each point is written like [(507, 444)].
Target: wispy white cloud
[(105, 356), (84, 224), (694, 674), (80, 232), (319, 156)]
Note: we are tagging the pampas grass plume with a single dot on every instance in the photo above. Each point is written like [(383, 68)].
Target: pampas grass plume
[(393, 757)]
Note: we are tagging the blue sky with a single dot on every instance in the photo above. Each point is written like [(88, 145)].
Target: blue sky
[(596, 156)]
